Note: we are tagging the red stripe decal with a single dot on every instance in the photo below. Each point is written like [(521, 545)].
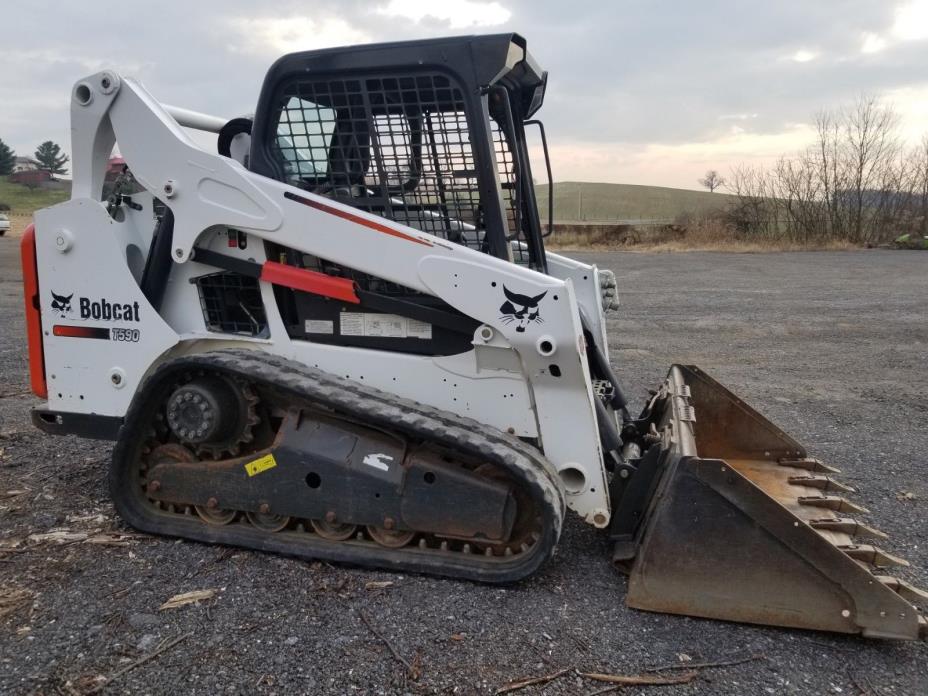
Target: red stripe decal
[(33, 314), (309, 281), (351, 217), (81, 331)]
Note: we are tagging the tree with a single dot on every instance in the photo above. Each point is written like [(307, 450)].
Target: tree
[(712, 180), (51, 159), (7, 159)]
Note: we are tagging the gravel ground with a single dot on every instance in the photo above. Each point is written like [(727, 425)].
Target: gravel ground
[(832, 346)]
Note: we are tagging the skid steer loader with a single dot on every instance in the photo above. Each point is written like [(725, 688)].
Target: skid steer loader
[(340, 337)]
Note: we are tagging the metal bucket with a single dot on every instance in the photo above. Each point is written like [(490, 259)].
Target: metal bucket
[(742, 525)]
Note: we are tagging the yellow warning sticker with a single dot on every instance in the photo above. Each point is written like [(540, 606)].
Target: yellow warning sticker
[(261, 465)]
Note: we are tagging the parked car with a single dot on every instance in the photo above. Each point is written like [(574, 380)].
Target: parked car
[(4, 224)]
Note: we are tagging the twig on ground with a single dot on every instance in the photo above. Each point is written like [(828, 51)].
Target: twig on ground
[(619, 680), (532, 681), (413, 672), (12, 599), (185, 598), (866, 688), (19, 393), (646, 678), (705, 665), (161, 649)]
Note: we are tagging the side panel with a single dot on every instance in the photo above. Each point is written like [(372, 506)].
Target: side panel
[(548, 340), (100, 334), (486, 383)]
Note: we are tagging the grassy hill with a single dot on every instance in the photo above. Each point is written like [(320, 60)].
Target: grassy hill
[(591, 202), (25, 200)]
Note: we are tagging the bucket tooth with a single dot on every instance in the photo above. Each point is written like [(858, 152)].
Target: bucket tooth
[(821, 482), (849, 526), (809, 464), (905, 590), (831, 502), (873, 555)]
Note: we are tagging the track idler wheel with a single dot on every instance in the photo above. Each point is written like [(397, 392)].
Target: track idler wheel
[(268, 521), (332, 530), (211, 513), (391, 538)]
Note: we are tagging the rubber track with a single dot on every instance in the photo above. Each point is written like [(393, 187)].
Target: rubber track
[(306, 384)]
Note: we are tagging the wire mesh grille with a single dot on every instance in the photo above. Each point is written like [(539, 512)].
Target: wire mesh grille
[(506, 171), (395, 146), (232, 303)]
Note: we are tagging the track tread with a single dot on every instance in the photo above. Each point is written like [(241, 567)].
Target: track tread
[(377, 408)]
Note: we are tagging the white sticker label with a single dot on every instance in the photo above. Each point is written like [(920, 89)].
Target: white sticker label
[(320, 326), (418, 329), (378, 461), (385, 325), (351, 324), (382, 326)]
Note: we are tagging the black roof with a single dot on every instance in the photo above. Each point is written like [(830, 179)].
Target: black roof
[(477, 61)]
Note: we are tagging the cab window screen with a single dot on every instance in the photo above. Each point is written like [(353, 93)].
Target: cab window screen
[(304, 139), (398, 146)]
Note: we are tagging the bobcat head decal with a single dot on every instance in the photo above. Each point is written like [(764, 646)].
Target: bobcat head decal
[(520, 308), (61, 303)]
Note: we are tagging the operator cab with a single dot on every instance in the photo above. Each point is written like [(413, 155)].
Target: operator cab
[(430, 134)]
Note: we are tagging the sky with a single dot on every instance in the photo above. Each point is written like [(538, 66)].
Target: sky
[(639, 92)]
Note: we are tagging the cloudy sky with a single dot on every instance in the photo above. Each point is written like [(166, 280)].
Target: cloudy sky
[(640, 91)]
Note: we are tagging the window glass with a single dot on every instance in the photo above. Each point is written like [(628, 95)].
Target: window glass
[(304, 136)]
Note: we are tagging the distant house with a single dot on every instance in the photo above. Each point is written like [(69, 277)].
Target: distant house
[(31, 177), (25, 164), (115, 166)]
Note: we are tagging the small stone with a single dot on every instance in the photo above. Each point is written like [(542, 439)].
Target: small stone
[(292, 640), (147, 642), (46, 520), (140, 621)]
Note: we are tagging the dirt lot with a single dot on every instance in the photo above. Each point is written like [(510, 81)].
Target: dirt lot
[(831, 345)]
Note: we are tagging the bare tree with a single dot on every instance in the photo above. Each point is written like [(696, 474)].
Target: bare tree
[(872, 151), (712, 180), (752, 213), (825, 157), (919, 172)]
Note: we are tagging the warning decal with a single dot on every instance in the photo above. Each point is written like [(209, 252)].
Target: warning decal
[(382, 326), (261, 465)]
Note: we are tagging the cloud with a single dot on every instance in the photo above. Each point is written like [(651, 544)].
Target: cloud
[(275, 36), (804, 56), (457, 14), (911, 22), (873, 43), (673, 164)]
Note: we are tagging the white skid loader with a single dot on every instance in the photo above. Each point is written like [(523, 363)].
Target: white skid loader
[(340, 337)]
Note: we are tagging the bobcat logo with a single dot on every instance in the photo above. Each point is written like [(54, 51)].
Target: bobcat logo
[(520, 308), (61, 304)]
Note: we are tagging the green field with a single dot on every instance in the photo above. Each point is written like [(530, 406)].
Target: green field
[(25, 200), (589, 202), (573, 201)]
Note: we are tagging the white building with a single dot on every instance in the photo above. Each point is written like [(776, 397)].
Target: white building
[(25, 164)]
